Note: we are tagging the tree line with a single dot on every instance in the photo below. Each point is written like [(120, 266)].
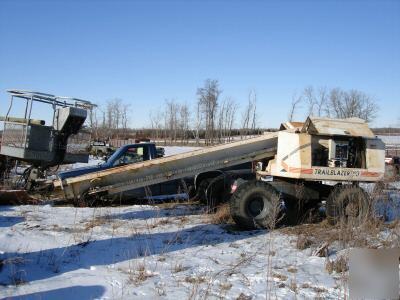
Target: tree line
[(212, 119), (215, 118), (334, 103)]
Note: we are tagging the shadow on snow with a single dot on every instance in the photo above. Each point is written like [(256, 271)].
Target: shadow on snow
[(73, 292), (156, 213), (8, 221), (48, 263)]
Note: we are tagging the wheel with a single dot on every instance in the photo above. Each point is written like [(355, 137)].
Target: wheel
[(346, 203), (216, 192), (255, 204), (201, 191)]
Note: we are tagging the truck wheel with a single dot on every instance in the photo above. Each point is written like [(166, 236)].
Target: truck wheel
[(255, 204), (347, 203), (201, 191), (216, 192)]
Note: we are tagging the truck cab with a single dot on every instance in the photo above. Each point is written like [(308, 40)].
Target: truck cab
[(132, 154), (128, 154)]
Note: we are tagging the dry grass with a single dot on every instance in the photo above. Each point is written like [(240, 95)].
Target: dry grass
[(195, 279), (293, 286), (319, 290), (303, 242), (281, 277), (305, 285), (226, 286), (96, 222), (139, 275), (244, 297), (162, 222), (350, 232), (339, 265), (222, 215), (178, 267), (17, 275)]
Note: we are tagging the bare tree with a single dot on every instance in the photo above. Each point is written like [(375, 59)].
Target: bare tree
[(249, 114), (93, 122), (321, 101), (156, 122), (125, 118), (338, 103), (171, 119), (198, 122), (254, 113), (352, 103), (296, 100), (208, 97), (316, 100), (230, 116), (184, 117), (309, 97), (221, 121)]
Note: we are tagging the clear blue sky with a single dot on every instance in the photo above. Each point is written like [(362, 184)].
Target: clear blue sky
[(145, 52)]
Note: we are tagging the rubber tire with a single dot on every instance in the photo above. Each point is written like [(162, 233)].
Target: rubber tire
[(216, 192), (201, 191), (337, 204), (246, 193)]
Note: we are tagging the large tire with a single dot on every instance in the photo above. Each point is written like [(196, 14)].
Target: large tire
[(201, 190), (254, 205), (217, 192), (347, 203)]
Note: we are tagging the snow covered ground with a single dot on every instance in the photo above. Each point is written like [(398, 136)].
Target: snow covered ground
[(166, 251), (145, 252)]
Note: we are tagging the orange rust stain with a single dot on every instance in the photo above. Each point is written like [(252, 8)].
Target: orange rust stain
[(370, 174), (300, 170)]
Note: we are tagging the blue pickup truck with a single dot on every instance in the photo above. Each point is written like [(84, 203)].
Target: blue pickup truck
[(135, 153), (207, 187), (127, 154)]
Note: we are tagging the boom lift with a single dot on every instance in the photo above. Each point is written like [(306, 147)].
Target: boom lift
[(342, 151), (31, 141)]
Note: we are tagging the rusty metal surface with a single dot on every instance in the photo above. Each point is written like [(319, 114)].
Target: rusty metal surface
[(291, 125), (345, 127)]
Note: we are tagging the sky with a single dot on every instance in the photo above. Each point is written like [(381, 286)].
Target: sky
[(147, 51)]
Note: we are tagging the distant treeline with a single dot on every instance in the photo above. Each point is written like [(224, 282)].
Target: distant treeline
[(387, 130), (169, 137)]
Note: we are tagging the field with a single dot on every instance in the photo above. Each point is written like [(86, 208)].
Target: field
[(177, 251)]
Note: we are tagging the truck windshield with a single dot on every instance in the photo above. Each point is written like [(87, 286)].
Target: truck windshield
[(129, 155)]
